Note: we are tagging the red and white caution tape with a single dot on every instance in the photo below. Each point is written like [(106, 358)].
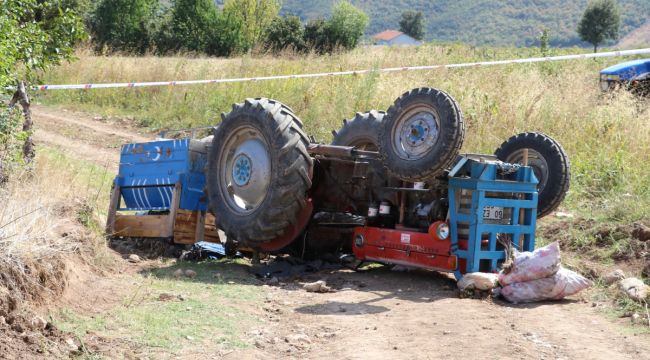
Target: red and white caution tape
[(340, 73)]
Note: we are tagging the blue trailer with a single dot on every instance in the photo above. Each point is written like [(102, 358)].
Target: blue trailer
[(159, 192)]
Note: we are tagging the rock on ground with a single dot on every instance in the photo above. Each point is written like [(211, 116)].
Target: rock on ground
[(614, 276), (634, 288), (319, 286)]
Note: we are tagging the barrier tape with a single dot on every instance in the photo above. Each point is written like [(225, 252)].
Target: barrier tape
[(341, 73)]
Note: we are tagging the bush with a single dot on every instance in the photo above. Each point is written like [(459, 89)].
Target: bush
[(341, 31), (124, 25), (197, 26), (317, 36), (286, 33), (347, 25)]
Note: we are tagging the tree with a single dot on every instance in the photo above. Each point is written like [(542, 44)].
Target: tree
[(34, 35), (255, 15), (284, 33), (346, 26), (543, 42), (600, 22), (317, 36), (412, 24), (198, 26), (124, 25)]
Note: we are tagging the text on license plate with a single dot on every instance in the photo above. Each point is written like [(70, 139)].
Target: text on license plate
[(492, 213)]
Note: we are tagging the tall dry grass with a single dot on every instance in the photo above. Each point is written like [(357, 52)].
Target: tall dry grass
[(606, 136), (42, 220)]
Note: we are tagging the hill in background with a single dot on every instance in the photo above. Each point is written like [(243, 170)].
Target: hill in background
[(482, 22)]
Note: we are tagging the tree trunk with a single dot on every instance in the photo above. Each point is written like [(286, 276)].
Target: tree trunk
[(23, 98), (595, 48)]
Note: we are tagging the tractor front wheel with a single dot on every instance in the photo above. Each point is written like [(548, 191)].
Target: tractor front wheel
[(549, 162), (421, 134)]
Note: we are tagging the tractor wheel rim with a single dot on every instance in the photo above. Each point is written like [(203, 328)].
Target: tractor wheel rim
[(536, 161), (246, 171), (416, 133)]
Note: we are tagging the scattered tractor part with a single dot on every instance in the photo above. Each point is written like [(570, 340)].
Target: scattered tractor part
[(549, 162)]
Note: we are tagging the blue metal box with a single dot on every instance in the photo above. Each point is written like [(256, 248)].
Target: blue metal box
[(149, 172)]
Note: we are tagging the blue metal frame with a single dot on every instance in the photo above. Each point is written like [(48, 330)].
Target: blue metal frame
[(481, 178), (149, 171)]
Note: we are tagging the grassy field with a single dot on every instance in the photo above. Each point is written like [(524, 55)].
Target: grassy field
[(606, 136)]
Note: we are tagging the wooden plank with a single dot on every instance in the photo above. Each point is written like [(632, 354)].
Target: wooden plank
[(141, 226), (187, 229), (173, 209), (200, 225), (113, 205)]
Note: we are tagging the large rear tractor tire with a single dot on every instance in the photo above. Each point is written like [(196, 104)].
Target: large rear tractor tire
[(258, 172), (421, 134), (361, 132), (549, 162)]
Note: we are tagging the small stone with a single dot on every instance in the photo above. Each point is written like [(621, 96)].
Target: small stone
[(178, 273), (635, 318), (165, 297), (326, 335), (71, 345), (445, 332), (563, 215), (38, 323), (181, 297), (297, 339), (190, 273), (2, 320), (273, 281), (613, 276), (30, 338), (394, 347), (190, 338), (259, 344), (134, 258), (634, 288), (231, 283), (319, 286)]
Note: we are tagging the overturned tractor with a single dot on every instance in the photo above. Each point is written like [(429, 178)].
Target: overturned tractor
[(391, 187)]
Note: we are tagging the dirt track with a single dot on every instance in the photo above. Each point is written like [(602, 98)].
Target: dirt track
[(376, 314)]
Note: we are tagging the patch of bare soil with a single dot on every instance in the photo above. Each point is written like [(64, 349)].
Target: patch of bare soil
[(84, 136), (418, 315)]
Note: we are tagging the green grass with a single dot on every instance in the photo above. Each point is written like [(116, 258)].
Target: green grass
[(209, 317)]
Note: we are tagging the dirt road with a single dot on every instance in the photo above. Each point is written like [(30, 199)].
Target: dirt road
[(86, 137), (375, 314)]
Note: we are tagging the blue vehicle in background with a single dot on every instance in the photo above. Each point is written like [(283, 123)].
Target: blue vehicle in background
[(632, 75)]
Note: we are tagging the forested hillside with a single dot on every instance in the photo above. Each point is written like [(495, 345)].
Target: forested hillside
[(494, 22)]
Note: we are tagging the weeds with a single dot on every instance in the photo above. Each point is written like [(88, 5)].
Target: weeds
[(606, 135)]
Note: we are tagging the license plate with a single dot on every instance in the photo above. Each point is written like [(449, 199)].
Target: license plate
[(493, 213)]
